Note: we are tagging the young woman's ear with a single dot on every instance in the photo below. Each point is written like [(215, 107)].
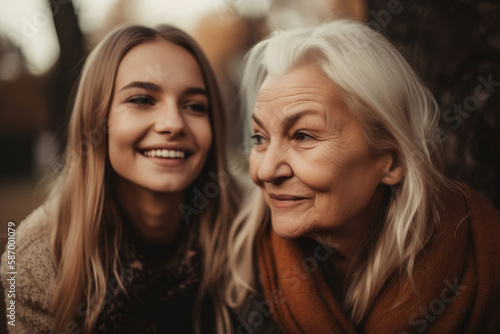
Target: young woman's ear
[(394, 170)]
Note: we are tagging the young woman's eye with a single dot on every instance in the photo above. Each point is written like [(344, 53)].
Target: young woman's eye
[(257, 139), (199, 107), (141, 100)]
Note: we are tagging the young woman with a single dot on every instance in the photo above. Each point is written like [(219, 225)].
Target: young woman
[(133, 235), (355, 228)]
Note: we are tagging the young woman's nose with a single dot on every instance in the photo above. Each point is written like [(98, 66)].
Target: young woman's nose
[(169, 119), (274, 164)]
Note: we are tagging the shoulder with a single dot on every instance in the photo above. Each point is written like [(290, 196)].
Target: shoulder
[(482, 211), (475, 233), (473, 212), (31, 266), (484, 233), (472, 225)]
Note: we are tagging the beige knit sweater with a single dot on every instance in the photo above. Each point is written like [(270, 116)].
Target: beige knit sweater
[(35, 265)]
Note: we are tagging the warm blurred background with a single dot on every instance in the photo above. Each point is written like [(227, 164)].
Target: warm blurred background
[(454, 44)]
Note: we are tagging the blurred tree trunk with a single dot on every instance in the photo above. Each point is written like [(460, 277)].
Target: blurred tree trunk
[(455, 45), (67, 69)]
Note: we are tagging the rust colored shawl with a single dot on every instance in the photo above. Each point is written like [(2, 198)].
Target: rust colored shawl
[(457, 281)]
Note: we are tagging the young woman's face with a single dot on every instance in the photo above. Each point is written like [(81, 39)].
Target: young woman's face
[(159, 129), (311, 159)]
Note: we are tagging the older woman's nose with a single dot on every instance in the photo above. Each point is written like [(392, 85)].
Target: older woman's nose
[(169, 119), (274, 165)]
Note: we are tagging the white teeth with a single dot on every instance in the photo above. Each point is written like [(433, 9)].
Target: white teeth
[(165, 154)]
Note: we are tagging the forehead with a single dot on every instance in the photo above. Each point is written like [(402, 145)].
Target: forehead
[(303, 80), (159, 61), (303, 88)]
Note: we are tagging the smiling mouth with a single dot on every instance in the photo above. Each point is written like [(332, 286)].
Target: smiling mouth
[(165, 154), (286, 201), (286, 197)]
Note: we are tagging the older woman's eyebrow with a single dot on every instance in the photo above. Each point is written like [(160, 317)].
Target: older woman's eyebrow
[(290, 120), (258, 121), (141, 84)]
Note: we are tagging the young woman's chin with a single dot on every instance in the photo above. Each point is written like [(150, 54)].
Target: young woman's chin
[(163, 185), (167, 188)]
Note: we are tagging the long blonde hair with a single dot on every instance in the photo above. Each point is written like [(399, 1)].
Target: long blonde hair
[(399, 116), (89, 226)]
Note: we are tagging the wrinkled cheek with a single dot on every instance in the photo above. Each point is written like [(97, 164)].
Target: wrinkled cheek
[(319, 177), (327, 201)]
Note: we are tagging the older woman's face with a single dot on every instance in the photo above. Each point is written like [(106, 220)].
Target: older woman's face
[(310, 157)]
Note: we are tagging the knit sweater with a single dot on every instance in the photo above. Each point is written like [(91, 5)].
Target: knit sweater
[(160, 288), (35, 265)]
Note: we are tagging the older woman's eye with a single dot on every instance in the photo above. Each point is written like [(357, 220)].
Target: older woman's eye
[(302, 137), (257, 139), (141, 100)]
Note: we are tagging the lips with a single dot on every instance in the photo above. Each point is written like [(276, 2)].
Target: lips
[(286, 201), (286, 197)]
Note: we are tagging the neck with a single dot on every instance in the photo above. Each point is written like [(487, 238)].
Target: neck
[(154, 218)]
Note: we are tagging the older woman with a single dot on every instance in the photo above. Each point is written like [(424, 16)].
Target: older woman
[(367, 234)]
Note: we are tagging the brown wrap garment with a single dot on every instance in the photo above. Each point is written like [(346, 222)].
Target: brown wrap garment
[(457, 281)]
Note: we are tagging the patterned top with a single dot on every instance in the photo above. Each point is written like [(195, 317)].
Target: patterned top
[(160, 288)]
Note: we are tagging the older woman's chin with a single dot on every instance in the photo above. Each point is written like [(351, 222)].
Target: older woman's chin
[(288, 228)]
